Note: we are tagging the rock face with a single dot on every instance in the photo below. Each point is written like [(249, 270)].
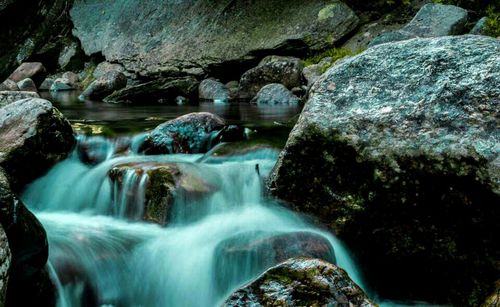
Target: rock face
[(33, 136), (193, 36), (7, 97), (162, 90), (272, 69), (35, 71), (432, 20), (301, 282), (4, 265), (248, 254), (275, 94), (104, 86), (191, 133), (401, 159), (213, 90)]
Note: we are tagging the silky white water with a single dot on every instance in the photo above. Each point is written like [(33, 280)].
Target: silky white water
[(102, 254)]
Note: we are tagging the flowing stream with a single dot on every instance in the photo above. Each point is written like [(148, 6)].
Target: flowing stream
[(102, 253)]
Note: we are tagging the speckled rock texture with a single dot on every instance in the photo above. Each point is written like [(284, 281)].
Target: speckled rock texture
[(7, 97), (397, 151), (5, 258), (275, 94), (33, 136), (301, 282), (211, 89), (193, 36)]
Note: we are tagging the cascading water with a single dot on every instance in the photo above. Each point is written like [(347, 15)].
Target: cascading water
[(102, 254)]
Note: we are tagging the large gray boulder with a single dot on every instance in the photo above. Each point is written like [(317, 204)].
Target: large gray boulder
[(7, 97), (33, 136), (301, 282), (401, 159), (33, 70), (192, 36), (432, 20), (272, 69)]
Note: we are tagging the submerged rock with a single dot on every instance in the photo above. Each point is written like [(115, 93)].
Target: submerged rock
[(400, 159), (104, 86), (9, 85), (7, 97), (301, 282), (35, 71), (5, 259), (194, 36), (211, 89), (190, 133), (163, 90), (33, 136), (147, 189), (432, 20), (251, 253), (275, 94), (27, 85), (272, 69)]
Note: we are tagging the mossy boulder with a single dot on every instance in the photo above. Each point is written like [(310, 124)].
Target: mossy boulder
[(401, 159), (33, 136), (301, 282)]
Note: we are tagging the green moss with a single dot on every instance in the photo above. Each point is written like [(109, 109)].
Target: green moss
[(492, 26)]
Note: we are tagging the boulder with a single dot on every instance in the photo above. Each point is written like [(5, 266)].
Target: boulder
[(27, 85), (400, 158), (9, 85), (5, 259), (272, 69), (146, 190), (62, 84), (262, 250), (162, 90), (206, 34), (301, 282), (46, 84), (480, 27), (7, 97), (432, 20), (105, 67), (35, 71), (233, 88), (275, 94), (190, 133), (312, 72), (104, 86), (211, 89), (33, 136)]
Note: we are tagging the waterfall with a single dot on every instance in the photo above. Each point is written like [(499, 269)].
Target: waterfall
[(102, 252)]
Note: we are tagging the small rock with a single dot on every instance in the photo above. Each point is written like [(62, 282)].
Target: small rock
[(275, 94), (233, 88), (301, 282), (105, 67), (27, 85), (71, 77), (62, 84), (7, 97), (9, 85), (272, 69), (46, 84), (211, 89), (479, 27), (34, 70), (104, 86), (311, 73), (180, 101)]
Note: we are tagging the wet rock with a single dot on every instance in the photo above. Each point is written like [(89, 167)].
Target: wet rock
[(9, 85), (27, 85), (33, 136), (163, 90), (272, 69), (190, 133), (46, 84), (234, 150), (146, 190), (104, 86), (432, 20), (258, 251), (479, 27), (7, 97), (5, 259), (211, 89), (207, 33), (301, 282), (405, 166), (35, 71), (275, 94)]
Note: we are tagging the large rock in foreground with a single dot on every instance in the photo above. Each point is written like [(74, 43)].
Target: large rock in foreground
[(401, 159), (301, 282), (33, 136), (4, 265), (192, 35)]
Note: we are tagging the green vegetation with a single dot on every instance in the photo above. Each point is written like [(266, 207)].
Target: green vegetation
[(492, 27), (335, 54)]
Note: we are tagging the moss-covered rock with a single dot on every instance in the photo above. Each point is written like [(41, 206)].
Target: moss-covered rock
[(301, 282), (400, 159)]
